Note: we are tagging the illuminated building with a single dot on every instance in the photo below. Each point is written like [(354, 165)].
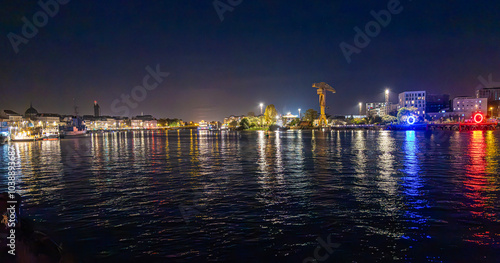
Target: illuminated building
[(144, 122), (464, 107), (289, 117), (203, 125), (355, 116), (50, 119), (215, 124), (415, 99), (379, 108), (374, 108), (493, 95), (10, 115)]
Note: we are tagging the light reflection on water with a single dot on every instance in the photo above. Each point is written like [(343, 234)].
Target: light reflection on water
[(383, 195)]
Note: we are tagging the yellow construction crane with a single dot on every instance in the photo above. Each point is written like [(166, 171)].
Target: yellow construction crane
[(322, 89)]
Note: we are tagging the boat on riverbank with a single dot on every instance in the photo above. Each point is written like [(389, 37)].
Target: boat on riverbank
[(25, 135), (74, 128), (49, 134)]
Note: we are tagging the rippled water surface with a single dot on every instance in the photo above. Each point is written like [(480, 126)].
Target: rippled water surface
[(189, 196)]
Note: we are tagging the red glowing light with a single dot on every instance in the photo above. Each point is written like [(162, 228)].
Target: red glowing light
[(478, 118)]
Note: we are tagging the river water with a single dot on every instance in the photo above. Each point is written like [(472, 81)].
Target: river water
[(292, 196)]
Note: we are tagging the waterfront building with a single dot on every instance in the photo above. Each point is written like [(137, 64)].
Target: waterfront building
[(10, 115), (379, 108), (465, 106), (289, 117), (391, 109), (31, 113), (493, 96), (415, 99), (355, 116), (437, 102), (232, 118), (374, 108), (375, 112), (49, 119), (203, 125), (144, 122), (104, 123), (215, 124)]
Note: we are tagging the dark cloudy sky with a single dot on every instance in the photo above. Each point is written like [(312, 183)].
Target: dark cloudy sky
[(263, 51)]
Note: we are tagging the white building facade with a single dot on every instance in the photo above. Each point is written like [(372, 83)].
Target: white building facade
[(467, 106), (415, 99)]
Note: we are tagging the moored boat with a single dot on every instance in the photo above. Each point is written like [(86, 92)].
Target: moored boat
[(74, 128), (24, 137), (49, 134)]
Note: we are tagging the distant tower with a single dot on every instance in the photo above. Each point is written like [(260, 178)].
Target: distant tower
[(31, 112), (97, 109)]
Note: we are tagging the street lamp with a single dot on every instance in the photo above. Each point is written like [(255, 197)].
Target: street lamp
[(491, 109), (386, 101), (261, 105), (360, 108), (299, 113)]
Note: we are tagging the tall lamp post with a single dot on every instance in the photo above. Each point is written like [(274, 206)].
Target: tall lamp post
[(386, 101), (491, 109), (299, 114), (261, 105), (360, 108)]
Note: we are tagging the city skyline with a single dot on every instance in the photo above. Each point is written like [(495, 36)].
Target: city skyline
[(216, 68)]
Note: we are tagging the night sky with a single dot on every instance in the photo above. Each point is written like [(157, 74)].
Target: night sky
[(261, 52)]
